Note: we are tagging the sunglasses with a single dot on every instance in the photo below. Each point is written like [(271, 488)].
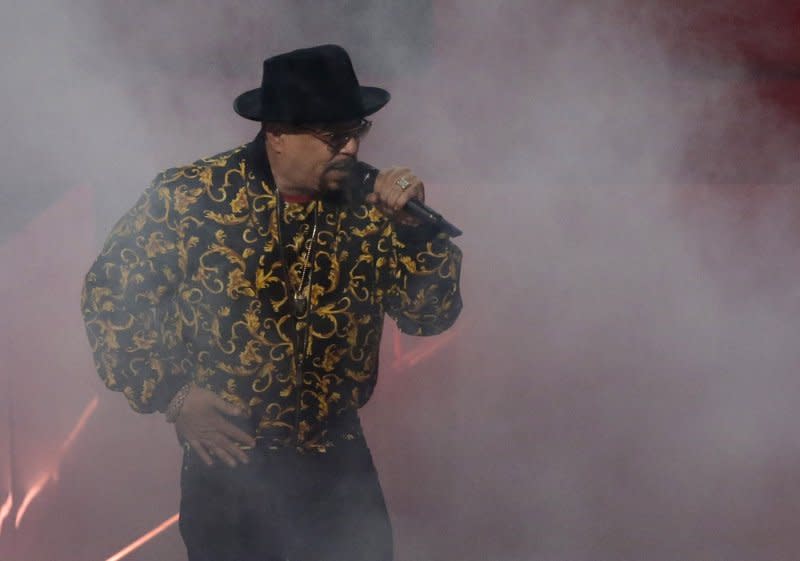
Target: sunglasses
[(337, 139)]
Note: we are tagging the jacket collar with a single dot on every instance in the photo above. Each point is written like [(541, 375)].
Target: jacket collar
[(256, 155)]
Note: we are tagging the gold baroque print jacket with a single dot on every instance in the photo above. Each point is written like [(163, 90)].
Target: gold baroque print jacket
[(191, 285)]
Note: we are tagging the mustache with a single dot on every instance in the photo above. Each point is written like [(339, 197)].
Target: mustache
[(348, 193), (343, 165)]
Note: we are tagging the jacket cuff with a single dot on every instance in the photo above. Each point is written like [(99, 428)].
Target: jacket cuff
[(167, 389), (416, 234)]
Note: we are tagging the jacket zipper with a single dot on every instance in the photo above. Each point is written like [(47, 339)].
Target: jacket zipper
[(301, 336)]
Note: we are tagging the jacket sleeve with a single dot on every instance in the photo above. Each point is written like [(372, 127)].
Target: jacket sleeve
[(125, 303), (421, 283)]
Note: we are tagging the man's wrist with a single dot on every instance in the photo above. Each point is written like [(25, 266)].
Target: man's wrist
[(176, 404)]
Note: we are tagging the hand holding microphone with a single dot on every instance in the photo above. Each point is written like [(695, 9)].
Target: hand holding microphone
[(400, 194), (393, 188)]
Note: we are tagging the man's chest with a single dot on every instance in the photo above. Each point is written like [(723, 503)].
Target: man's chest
[(241, 281)]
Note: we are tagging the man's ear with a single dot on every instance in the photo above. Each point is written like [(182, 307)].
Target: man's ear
[(274, 140), (274, 136)]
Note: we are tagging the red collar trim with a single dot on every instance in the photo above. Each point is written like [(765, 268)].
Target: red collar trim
[(297, 198)]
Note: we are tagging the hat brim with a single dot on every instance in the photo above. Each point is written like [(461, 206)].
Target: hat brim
[(248, 104)]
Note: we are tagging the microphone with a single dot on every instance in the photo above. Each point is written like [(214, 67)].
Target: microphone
[(416, 208)]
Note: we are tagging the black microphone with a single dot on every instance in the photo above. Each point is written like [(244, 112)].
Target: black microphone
[(416, 208)]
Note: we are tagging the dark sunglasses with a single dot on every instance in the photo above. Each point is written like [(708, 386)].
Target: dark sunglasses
[(337, 139)]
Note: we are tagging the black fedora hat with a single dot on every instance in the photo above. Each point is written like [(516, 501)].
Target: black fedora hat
[(313, 85)]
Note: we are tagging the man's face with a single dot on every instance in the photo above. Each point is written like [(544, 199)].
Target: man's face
[(321, 156)]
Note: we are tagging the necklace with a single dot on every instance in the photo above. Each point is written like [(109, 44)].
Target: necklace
[(302, 291)]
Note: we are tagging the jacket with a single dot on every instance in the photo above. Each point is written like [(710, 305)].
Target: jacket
[(191, 286)]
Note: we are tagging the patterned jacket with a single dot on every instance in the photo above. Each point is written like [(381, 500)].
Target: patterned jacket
[(191, 286)]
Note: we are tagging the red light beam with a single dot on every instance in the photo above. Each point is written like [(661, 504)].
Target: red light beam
[(397, 342), (77, 429), (5, 510), (408, 359), (81, 424), (30, 495), (37, 487), (418, 355), (144, 539)]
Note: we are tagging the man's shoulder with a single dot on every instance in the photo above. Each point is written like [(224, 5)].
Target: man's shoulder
[(204, 170)]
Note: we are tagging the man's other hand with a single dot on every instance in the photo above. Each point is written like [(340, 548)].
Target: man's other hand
[(203, 424)]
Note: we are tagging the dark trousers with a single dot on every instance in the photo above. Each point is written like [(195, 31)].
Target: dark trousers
[(286, 505)]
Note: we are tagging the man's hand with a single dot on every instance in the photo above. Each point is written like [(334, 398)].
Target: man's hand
[(203, 425), (394, 187)]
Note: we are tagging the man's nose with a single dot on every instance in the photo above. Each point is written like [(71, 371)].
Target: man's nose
[(350, 147)]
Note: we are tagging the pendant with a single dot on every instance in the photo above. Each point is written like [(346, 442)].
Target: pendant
[(299, 305)]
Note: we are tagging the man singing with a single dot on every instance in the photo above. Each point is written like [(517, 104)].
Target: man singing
[(244, 295)]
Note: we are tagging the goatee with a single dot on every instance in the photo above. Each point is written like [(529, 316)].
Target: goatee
[(342, 193)]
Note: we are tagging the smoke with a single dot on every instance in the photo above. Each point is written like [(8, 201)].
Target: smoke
[(621, 386)]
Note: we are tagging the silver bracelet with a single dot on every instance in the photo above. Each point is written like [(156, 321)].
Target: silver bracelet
[(175, 406)]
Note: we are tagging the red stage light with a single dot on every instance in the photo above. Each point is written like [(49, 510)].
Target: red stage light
[(37, 487), (144, 539), (5, 510)]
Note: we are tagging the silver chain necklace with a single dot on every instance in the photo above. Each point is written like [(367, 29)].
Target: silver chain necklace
[(302, 292)]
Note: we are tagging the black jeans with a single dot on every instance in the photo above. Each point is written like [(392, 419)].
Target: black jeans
[(286, 505)]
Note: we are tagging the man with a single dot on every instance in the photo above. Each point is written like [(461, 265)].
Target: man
[(244, 297)]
